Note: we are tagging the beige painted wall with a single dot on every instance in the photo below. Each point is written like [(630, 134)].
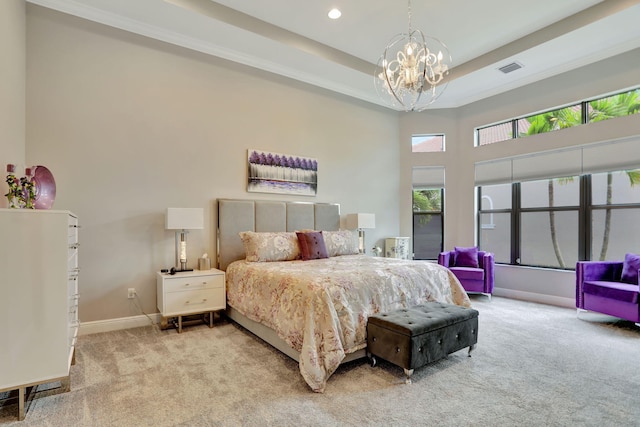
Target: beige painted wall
[(12, 88), (130, 126)]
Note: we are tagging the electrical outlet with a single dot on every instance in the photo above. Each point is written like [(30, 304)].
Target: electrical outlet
[(131, 293)]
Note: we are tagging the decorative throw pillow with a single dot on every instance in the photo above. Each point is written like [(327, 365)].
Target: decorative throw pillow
[(267, 246), (312, 245), (466, 257), (342, 242), (630, 269)]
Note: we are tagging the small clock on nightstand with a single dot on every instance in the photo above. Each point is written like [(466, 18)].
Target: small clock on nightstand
[(192, 292)]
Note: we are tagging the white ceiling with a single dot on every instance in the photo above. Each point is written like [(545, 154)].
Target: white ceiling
[(295, 38)]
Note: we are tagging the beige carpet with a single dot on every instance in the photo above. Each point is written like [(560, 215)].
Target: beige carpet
[(534, 365)]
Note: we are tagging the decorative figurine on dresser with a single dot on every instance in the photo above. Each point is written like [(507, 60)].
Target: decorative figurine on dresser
[(38, 299)]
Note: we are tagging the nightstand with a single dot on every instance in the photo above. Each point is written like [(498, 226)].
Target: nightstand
[(190, 292)]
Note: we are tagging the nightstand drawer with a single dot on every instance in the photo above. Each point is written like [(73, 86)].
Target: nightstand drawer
[(175, 284), (180, 303)]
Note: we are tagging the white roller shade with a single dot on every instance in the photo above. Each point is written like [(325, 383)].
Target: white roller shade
[(493, 172), (548, 165), (622, 154), (428, 177)]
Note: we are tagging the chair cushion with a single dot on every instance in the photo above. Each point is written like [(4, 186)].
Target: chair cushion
[(612, 290), (630, 269), (468, 273), (466, 257)]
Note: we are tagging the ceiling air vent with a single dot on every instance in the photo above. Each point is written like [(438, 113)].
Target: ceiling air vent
[(510, 67)]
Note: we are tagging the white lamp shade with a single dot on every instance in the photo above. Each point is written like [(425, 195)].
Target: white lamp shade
[(184, 219), (360, 221)]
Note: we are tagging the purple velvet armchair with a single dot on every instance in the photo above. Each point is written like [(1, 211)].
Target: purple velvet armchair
[(609, 287), (473, 268)]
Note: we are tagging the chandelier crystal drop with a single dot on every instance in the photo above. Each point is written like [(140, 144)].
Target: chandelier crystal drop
[(412, 71)]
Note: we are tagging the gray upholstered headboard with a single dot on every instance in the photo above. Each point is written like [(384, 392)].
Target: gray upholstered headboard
[(235, 216)]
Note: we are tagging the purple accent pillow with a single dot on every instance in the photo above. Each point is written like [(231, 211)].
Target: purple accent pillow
[(312, 245), (630, 269), (466, 257)]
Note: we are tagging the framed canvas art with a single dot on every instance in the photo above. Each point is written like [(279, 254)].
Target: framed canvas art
[(281, 173)]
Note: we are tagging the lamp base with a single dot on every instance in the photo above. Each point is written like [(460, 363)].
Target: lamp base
[(181, 251), (361, 248)]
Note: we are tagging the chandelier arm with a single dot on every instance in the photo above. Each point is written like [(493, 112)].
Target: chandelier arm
[(392, 88)]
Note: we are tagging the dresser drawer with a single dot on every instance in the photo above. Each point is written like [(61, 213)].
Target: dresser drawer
[(195, 301), (72, 232), (177, 284)]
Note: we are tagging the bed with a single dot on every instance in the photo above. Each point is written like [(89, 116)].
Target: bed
[(315, 311)]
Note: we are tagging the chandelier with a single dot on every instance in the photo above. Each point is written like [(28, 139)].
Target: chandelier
[(411, 73)]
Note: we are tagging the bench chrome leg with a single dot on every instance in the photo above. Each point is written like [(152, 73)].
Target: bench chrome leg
[(372, 359), (408, 373)]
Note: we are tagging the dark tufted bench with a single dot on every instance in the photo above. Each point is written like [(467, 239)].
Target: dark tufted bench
[(416, 336)]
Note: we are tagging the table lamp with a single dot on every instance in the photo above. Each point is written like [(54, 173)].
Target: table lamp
[(181, 220), (360, 221)]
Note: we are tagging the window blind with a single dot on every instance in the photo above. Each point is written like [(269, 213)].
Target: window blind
[(623, 154), (428, 177)]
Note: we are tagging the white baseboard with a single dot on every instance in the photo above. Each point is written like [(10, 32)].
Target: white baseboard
[(87, 328), (533, 297)]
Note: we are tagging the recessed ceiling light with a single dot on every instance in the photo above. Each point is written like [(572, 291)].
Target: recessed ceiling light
[(334, 14)]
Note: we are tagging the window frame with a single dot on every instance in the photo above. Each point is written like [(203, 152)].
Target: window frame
[(585, 211)]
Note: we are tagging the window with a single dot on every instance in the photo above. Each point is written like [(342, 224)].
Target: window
[(495, 133), (622, 104), (614, 211), (427, 143), (549, 239), (556, 222), (427, 223), (495, 221), (497, 238), (549, 222), (551, 120)]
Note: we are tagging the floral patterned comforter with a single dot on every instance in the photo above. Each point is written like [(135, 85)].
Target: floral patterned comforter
[(320, 307)]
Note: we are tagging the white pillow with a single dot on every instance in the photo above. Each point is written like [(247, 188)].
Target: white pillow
[(268, 246), (342, 242)]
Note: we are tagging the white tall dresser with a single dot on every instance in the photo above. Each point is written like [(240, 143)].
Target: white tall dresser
[(38, 298)]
